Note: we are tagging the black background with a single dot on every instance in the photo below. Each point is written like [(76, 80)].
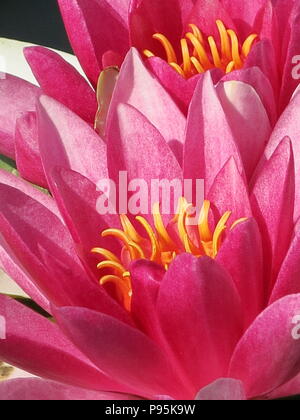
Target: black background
[(36, 21)]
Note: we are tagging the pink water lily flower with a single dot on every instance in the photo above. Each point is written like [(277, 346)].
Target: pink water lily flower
[(190, 36), (207, 313)]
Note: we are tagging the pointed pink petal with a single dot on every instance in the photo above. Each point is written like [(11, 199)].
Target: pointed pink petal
[(28, 158), (248, 120), (181, 90), (229, 192), (205, 151), (41, 197), (67, 141), (145, 278), (155, 103), (94, 27), (77, 198), (241, 255), (289, 125), (135, 146), (120, 351), (223, 390), (16, 96), (268, 354), (254, 77), (273, 206), (35, 344), (200, 315), (287, 282), (35, 389), (263, 56), (11, 266), (62, 82)]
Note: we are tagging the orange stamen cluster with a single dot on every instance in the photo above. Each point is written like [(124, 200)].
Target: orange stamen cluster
[(200, 54), (158, 245)]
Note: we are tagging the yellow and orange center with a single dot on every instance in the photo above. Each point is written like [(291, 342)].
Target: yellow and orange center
[(199, 54), (160, 244)]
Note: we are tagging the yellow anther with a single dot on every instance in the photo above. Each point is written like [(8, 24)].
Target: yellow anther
[(203, 223), (186, 57), (248, 44), (217, 237), (225, 40), (178, 69), (154, 242), (235, 49), (197, 65), (200, 50), (215, 52), (171, 55), (148, 53)]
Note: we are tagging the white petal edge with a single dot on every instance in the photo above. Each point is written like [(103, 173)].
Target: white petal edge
[(12, 59)]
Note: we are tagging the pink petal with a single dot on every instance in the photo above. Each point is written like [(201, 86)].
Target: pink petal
[(263, 56), (268, 354), (254, 77), (155, 103), (77, 198), (12, 267), (273, 206), (149, 17), (289, 125), (62, 82), (181, 90), (205, 151), (16, 96), (67, 141), (35, 389), (287, 282), (290, 389), (126, 352), (95, 27), (223, 390), (28, 158), (145, 278), (135, 146), (241, 255), (36, 345), (206, 12), (229, 192), (247, 119), (200, 315)]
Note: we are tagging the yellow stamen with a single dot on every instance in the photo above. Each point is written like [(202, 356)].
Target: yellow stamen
[(225, 40), (235, 49), (197, 65), (230, 67), (158, 246), (171, 55), (199, 54), (186, 57), (178, 69), (148, 53), (248, 44), (215, 52)]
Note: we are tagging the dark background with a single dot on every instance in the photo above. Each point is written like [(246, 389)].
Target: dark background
[(36, 21)]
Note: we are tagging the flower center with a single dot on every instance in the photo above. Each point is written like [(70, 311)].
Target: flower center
[(160, 244), (200, 54)]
